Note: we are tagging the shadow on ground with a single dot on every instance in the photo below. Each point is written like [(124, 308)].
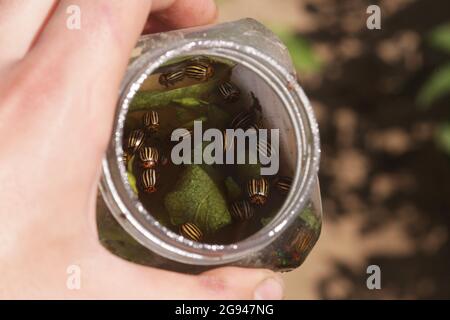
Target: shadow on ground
[(379, 155)]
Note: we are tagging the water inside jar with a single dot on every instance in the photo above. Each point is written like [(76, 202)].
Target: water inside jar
[(210, 203)]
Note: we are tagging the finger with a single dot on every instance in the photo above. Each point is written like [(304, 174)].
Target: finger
[(101, 43), (86, 64), (20, 22), (187, 13), (139, 282), (159, 5)]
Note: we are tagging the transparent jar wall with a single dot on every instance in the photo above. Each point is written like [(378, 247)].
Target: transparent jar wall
[(288, 250)]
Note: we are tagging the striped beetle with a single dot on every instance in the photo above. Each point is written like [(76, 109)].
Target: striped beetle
[(149, 157), (242, 210), (149, 180), (191, 231), (170, 78), (229, 91), (283, 184), (135, 141), (151, 120), (258, 190), (200, 71)]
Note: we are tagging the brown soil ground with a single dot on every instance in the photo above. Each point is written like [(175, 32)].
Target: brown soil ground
[(385, 184)]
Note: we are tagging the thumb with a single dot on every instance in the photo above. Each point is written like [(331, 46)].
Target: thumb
[(243, 283), (139, 282)]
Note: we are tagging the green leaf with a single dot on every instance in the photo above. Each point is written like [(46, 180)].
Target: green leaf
[(440, 38), (131, 177), (190, 102), (183, 115), (132, 181), (234, 191), (190, 124), (153, 99), (196, 198), (437, 86), (130, 164), (203, 91), (310, 219), (443, 137), (248, 171), (302, 53), (265, 221), (217, 117), (307, 216)]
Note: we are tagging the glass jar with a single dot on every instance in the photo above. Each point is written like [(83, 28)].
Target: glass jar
[(266, 69)]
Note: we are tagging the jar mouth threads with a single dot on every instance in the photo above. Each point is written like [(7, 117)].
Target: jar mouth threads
[(144, 227)]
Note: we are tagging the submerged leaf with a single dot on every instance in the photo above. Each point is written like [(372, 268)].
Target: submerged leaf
[(203, 91), (310, 219), (265, 221), (130, 164), (153, 99), (132, 182), (248, 171), (218, 118), (131, 177), (196, 198), (190, 102), (307, 216), (190, 124), (234, 191)]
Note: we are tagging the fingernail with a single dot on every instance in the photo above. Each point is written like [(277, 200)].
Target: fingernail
[(270, 289)]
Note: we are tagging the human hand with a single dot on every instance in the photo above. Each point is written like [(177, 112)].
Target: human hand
[(58, 90)]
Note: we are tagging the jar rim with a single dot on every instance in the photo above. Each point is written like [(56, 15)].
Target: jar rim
[(138, 222)]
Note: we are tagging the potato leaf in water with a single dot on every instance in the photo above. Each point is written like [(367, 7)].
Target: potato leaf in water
[(196, 198), (191, 123), (307, 216), (265, 221), (132, 182), (150, 99), (234, 191), (310, 219), (218, 118), (131, 177), (190, 102)]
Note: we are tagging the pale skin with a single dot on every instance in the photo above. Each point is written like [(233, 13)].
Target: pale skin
[(58, 89)]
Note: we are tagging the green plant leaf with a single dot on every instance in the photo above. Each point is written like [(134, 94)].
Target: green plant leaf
[(190, 102), (265, 221), (307, 216), (443, 137), (302, 53), (247, 171), (193, 94), (130, 174), (234, 191), (310, 219), (217, 117), (190, 124), (440, 38), (196, 198), (147, 100), (132, 181), (437, 86), (130, 164)]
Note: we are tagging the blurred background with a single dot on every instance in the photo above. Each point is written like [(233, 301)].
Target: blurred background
[(382, 99)]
